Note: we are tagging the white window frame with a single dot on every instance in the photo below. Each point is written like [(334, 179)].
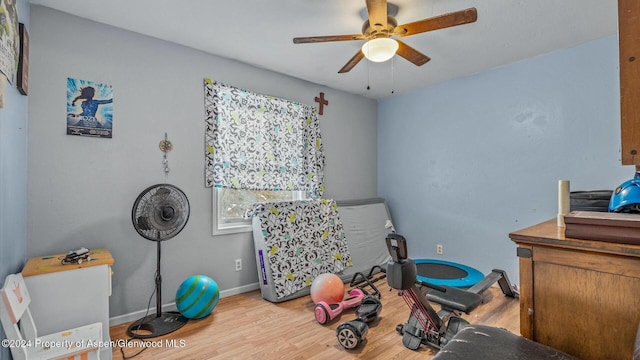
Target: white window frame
[(221, 227)]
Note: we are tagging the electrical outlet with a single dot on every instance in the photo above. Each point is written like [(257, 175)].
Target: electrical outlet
[(439, 249), (238, 264)]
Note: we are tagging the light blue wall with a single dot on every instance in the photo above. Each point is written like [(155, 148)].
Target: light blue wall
[(465, 162), (13, 178)]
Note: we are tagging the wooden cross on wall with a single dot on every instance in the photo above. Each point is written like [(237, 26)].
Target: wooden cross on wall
[(321, 100)]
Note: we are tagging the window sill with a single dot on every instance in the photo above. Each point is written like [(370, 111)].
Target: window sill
[(232, 230)]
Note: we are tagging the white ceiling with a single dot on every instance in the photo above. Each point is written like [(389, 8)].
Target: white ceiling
[(260, 33)]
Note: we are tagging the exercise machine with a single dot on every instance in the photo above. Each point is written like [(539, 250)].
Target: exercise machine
[(425, 325), (456, 300)]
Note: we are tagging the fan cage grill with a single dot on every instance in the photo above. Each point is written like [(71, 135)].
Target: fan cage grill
[(160, 212)]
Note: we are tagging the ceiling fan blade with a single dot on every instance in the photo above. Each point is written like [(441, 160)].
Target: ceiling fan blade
[(351, 63), (411, 54), (316, 39), (377, 10), (438, 22)]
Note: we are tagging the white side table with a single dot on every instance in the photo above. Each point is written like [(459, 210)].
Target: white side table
[(68, 296)]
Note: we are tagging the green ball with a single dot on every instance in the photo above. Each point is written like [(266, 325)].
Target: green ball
[(197, 296)]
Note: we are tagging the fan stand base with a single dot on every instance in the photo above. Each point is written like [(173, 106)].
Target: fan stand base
[(154, 326)]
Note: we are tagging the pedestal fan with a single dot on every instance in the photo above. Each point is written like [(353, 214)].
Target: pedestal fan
[(159, 213)]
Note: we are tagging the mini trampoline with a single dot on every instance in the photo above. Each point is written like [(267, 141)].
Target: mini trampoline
[(447, 273)]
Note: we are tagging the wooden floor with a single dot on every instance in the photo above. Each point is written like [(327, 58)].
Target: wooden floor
[(247, 327)]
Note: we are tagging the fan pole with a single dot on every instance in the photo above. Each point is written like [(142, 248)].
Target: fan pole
[(158, 285), (162, 323)]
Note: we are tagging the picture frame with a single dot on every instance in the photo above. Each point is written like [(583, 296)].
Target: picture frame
[(22, 77), (89, 108)]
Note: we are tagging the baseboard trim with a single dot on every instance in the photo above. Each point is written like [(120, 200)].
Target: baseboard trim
[(239, 290), (125, 318)]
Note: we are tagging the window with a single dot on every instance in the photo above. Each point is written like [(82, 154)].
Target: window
[(231, 204), (255, 141)]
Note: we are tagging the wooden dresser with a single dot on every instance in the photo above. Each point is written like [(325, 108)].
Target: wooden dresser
[(578, 296)]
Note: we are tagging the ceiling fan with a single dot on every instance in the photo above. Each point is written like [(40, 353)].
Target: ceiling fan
[(379, 28)]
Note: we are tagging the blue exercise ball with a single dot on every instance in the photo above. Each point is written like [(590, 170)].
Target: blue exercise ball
[(197, 296)]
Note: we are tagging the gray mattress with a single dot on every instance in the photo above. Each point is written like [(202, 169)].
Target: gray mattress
[(366, 223)]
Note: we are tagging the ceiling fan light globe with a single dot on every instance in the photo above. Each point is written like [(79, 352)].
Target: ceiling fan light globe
[(380, 49)]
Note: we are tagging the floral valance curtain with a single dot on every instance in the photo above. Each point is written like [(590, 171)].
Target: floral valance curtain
[(259, 142)]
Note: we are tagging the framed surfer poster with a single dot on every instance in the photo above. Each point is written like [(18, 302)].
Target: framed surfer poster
[(89, 108)]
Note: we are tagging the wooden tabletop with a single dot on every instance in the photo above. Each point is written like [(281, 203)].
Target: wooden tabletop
[(53, 263), (549, 233)]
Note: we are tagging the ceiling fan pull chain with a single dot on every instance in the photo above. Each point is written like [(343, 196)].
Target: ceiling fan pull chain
[(368, 74), (392, 86)]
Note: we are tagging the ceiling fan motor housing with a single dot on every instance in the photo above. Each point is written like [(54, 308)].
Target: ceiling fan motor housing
[(379, 30)]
